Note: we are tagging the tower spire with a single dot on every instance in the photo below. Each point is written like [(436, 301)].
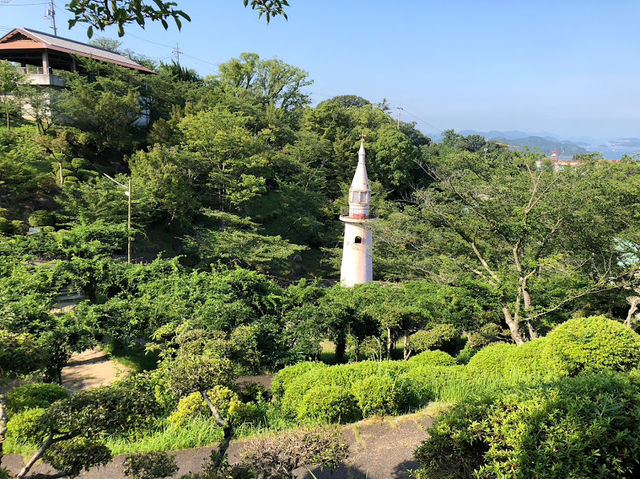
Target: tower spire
[(357, 266)]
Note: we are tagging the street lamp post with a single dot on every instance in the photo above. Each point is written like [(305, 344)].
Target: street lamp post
[(128, 193)]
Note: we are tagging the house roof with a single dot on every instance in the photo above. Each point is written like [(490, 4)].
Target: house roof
[(28, 39)]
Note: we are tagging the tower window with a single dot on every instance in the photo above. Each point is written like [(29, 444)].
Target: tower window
[(358, 240)]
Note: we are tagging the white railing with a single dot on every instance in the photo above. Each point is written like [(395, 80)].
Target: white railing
[(31, 70)]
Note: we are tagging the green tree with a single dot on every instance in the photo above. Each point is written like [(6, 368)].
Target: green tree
[(199, 364), (226, 155), (105, 106), (11, 84), (276, 83), (512, 224), (121, 407)]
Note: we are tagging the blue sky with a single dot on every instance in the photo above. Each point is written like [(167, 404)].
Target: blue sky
[(564, 67)]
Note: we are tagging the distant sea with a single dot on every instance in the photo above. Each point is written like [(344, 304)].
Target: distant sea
[(614, 153)]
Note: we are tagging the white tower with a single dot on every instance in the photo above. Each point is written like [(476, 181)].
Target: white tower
[(357, 266)]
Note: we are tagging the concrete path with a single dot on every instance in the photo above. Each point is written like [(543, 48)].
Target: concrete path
[(378, 449), (89, 369)]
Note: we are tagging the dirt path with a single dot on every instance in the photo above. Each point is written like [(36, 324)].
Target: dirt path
[(378, 449), (89, 369)]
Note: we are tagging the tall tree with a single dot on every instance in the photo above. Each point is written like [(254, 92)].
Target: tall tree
[(11, 82), (538, 237)]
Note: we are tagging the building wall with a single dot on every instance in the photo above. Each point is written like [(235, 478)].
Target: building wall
[(357, 263)]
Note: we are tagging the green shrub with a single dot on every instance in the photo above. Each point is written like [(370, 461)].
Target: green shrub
[(36, 395), (342, 376), (439, 336), (579, 427), (285, 376), (154, 465), (41, 218), (466, 354), (328, 404), (381, 395), (70, 457), (437, 383), (189, 407), (371, 348), (509, 364), (594, 343), (24, 427), (432, 358), (225, 401)]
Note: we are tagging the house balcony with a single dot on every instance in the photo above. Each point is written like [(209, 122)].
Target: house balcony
[(38, 77)]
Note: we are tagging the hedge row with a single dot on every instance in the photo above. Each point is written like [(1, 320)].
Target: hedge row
[(586, 426), (348, 392)]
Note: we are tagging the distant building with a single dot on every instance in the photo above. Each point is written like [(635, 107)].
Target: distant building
[(40, 55), (559, 164), (357, 261)]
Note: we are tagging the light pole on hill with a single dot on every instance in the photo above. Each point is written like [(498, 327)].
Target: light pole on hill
[(128, 193)]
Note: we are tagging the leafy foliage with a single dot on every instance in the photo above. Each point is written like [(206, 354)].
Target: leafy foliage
[(71, 457), (578, 427), (36, 395), (280, 455), (150, 466)]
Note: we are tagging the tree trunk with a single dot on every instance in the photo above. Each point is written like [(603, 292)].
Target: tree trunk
[(3, 422), (39, 453), (514, 326), (533, 334), (227, 430), (405, 347), (341, 347), (388, 343), (634, 302)]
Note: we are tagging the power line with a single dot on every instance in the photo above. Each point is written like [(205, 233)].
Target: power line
[(172, 49), (177, 53), (22, 4)]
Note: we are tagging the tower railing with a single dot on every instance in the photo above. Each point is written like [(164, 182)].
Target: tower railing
[(351, 212)]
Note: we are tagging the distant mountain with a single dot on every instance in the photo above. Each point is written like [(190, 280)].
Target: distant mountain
[(508, 134), (518, 139)]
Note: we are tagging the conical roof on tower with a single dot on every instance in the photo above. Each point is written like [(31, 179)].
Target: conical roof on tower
[(360, 179)]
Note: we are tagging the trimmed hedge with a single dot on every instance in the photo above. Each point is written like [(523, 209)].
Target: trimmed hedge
[(593, 344), (285, 376), (382, 395), (579, 345), (36, 395), (329, 404), (585, 426), (432, 358)]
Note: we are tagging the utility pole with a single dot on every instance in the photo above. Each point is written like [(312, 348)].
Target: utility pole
[(51, 13), (399, 110), (129, 225), (177, 53)]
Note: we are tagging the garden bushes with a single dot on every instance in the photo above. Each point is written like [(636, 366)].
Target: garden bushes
[(329, 404), (286, 375), (432, 358), (594, 343), (391, 387), (381, 395), (584, 426), (580, 344), (36, 395)]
